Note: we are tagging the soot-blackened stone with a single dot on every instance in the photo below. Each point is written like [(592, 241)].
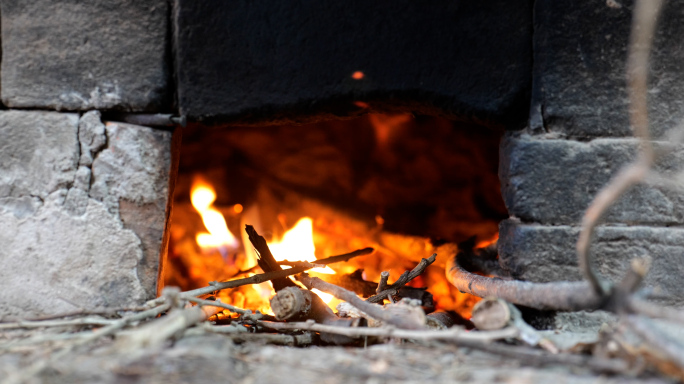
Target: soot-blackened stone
[(580, 53), (252, 61)]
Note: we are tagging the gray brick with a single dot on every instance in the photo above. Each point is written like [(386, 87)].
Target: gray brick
[(553, 181), (79, 55), (547, 253), (579, 83)]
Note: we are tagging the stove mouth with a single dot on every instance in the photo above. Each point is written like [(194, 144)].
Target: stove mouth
[(404, 185)]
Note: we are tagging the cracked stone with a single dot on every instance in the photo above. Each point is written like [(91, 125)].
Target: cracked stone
[(91, 135), (60, 248)]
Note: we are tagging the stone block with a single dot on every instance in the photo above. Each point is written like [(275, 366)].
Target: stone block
[(76, 55), (553, 181), (246, 61), (541, 253), (579, 81), (75, 235)]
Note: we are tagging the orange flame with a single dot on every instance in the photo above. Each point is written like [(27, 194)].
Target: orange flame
[(297, 245), (202, 196)]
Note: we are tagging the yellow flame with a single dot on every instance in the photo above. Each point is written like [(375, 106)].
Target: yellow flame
[(297, 245), (202, 197)]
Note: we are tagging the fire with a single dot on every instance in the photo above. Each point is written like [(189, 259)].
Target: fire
[(219, 237), (297, 245)]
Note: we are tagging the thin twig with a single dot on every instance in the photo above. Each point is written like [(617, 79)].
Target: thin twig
[(382, 285), (256, 279), (373, 310), (454, 334), (218, 303), (344, 257), (57, 323), (404, 279)]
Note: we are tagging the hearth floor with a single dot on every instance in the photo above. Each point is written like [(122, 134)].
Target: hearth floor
[(217, 359)]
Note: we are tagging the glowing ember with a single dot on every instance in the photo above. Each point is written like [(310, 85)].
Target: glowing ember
[(219, 237), (358, 75), (297, 245)]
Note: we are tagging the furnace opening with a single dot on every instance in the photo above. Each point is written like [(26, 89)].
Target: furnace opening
[(405, 185)]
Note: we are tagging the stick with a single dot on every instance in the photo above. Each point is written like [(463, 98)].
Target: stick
[(57, 323), (218, 303), (333, 259), (345, 257), (382, 285), (372, 310), (404, 279), (454, 334), (299, 304), (567, 296), (266, 260), (214, 286)]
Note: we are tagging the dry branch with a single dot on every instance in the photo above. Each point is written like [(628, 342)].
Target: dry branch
[(404, 279), (334, 259), (568, 296), (57, 323), (215, 286), (454, 334), (373, 310), (299, 305)]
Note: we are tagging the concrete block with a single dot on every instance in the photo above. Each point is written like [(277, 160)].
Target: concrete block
[(73, 235), (541, 253), (553, 181), (76, 55)]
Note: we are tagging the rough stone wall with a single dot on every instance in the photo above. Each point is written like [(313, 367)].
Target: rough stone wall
[(82, 211), (83, 203), (80, 55), (578, 137)]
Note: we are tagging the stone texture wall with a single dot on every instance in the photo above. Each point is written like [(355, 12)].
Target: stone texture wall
[(83, 202), (578, 137), (82, 211)]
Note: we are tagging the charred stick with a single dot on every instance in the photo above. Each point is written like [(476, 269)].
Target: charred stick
[(266, 260), (564, 296), (334, 259), (345, 257), (372, 310), (404, 279)]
